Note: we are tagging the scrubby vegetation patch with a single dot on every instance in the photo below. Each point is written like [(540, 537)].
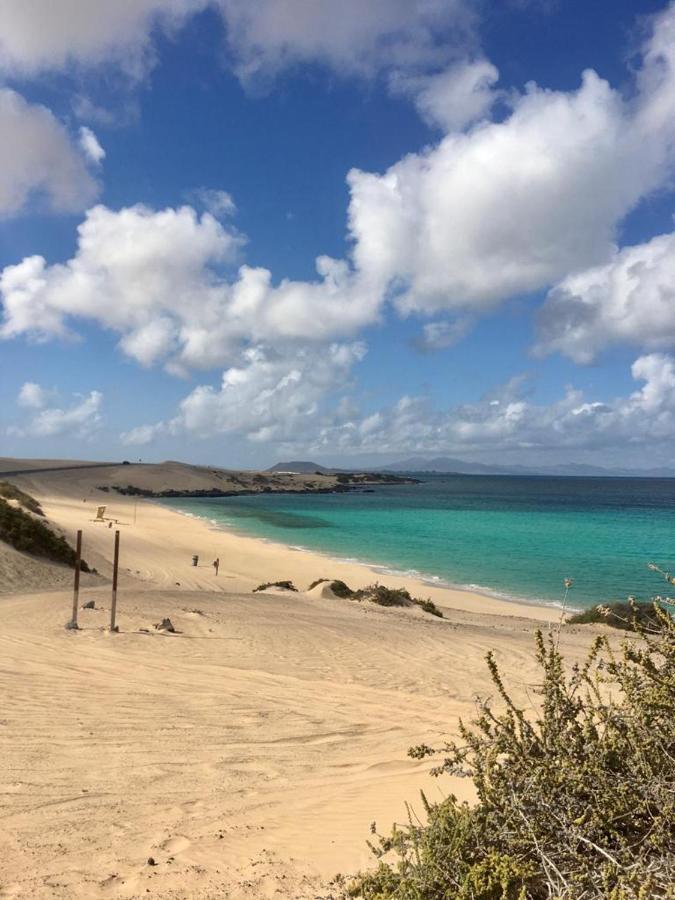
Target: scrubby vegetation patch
[(29, 535), (341, 590), (576, 796), (380, 594), (12, 492), (628, 616), (286, 585)]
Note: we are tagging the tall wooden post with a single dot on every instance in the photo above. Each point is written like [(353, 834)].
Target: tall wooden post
[(76, 583), (116, 561)]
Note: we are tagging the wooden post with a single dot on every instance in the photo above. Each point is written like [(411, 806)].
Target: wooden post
[(116, 561), (76, 583)]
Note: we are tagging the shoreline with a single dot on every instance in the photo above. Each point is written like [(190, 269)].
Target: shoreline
[(425, 580), (157, 550), (358, 573)]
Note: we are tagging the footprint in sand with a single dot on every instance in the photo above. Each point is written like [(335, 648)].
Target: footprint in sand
[(117, 886), (176, 844)]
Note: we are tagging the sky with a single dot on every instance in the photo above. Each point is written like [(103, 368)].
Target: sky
[(241, 231)]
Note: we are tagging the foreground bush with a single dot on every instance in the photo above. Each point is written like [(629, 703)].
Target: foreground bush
[(575, 802), (29, 535)]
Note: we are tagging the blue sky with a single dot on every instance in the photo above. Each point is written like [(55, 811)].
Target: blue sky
[(501, 255)]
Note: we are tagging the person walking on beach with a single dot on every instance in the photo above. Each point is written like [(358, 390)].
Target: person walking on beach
[(216, 564)]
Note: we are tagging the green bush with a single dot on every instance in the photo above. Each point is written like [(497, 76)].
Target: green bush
[(384, 596), (340, 589), (626, 616), (29, 535), (286, 585), (575, 801), (429, 606), (11, 492)]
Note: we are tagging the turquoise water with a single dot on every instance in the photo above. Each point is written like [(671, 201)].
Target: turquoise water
[(509, 536)]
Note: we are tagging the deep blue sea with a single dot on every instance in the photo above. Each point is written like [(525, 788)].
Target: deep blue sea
[(513, 537)]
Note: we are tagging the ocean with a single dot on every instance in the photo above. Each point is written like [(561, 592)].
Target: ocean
[(512, 537)]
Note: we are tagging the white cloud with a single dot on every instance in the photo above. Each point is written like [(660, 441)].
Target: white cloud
[(506, 208), (138, 272), (508, 420), (156, 279), (219, 203), (264, 36), (79, 420), (143, 434), (514, 205), (37, 157), (32, 395), (443, 334), (291, 400), (91, 146), (43, 35), (454, 98), (271, 395), (352, 37), (630, 300)]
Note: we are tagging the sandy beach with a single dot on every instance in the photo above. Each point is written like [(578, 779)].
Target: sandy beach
[(248, 753)]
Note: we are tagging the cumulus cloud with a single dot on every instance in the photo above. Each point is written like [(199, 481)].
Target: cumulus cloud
[(454, 98), (219, 203), (264, 36), (506, 208), (269, 396), (441, 335), (37, 157), (629, 300), (159, 280), (509, 420), (40, 35), (512, 206), (292, 400), (80, 419), (32, 395), (352, 37), (143, 434), (91, 146)]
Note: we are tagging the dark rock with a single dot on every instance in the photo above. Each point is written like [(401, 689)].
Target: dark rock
[(89, 605), (151, 861), (165, 625)]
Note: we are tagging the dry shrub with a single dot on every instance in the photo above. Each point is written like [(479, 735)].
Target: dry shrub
[(286, 585), (30, 535), (575, 802)]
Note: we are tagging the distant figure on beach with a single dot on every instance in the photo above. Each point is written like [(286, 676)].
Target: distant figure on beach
[(216, 564)]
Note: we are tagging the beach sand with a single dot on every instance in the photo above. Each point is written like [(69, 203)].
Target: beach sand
[(248, 753)]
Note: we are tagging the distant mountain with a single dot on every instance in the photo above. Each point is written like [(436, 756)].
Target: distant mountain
[(301, 467), (450, 465)]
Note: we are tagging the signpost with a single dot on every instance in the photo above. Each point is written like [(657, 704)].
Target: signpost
[(116, 560), (72, 625)]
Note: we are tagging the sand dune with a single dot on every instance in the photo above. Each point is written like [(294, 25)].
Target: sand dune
[(248, 753)]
